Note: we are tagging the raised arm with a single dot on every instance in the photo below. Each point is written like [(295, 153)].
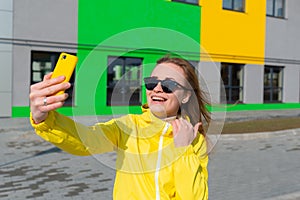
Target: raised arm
[(62, 131), (42, 98)]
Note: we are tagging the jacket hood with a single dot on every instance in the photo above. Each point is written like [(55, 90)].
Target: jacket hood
[(151, 123)]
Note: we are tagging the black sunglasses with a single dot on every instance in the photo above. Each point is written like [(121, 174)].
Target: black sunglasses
[(168, 85)]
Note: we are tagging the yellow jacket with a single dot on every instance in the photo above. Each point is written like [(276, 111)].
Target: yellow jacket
[(148, 164)]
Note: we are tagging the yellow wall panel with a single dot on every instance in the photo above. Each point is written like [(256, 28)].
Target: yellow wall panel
[(231, 36)]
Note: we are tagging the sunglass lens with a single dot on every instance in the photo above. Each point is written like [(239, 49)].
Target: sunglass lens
[(169, 86), (150, 83), (150, 86)]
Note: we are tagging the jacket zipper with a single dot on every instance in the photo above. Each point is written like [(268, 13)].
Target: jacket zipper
[(158, 163)]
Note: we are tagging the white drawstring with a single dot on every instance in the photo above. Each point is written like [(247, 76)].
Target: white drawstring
[(158, 163)]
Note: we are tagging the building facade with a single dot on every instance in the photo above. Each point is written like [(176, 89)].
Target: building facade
[(245, 51)]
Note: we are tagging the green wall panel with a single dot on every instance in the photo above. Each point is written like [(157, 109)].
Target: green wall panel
[(134, 28)]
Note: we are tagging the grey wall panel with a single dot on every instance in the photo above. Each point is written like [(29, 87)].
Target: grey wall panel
[(6, 24), (5, 83), (5, 47), (5, 106), (210, 75), (48, 20), (6, 71), (283, 47), (21, 75), (6, 5), (276, 40), (6, 31), (45, 21), (282, 35), (253, 83), (291, 84)]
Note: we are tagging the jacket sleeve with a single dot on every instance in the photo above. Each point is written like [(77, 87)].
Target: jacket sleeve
[(76, 138), (190, 171)]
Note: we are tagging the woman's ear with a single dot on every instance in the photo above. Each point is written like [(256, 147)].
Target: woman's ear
[(187, 97)]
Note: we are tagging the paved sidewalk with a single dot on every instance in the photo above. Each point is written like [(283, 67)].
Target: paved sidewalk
[(242, 166), (259, 166)]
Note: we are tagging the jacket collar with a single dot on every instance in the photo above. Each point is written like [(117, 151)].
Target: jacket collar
[(156, 125)]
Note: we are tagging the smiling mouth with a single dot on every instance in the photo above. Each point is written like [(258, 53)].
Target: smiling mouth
[(158, 99)]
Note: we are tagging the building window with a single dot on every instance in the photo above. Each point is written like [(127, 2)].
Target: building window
[(273, 78), (275, 8), (236, 5), (43, 63), (124, 81), (196, 2), (232, 76)]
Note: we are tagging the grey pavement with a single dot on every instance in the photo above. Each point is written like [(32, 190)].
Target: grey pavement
[(242, 166)]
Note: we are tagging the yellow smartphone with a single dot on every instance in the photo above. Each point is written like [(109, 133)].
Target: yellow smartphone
[(64, 67)]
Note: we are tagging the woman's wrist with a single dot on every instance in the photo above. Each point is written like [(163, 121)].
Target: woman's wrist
[(38, 120)]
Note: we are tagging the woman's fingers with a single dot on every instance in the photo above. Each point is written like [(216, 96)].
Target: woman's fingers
[(37, 94), (184, 132), (44, 104), (53, 89), (41, 106), (52, 106), (174, 124), (47, 82), (196, 128), (46, 101), (42, 98), (48, 87), (48, 76), (185, 125)]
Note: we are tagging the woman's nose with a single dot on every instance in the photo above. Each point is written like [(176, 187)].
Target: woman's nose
[(158, 88)]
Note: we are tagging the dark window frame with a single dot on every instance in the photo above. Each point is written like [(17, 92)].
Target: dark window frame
[(232, 6), (130, 90), (52, 57), (187, 2), (273, 14), (229, 85), (271, 88)]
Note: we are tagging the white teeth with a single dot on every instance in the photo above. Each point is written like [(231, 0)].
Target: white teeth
[(157, 99)]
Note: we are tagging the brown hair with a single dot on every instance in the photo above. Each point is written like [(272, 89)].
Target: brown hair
[(195, 108)]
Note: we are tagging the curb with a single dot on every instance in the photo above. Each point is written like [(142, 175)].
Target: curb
[(291, 196), (260, 135)]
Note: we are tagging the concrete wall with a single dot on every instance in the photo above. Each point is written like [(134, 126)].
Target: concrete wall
[(211, 81), (253, 83), (6, 32), (283, 47), (291, 78), (41, 26), (282, 35)]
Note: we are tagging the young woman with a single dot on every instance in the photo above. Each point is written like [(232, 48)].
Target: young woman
[(161, 153)]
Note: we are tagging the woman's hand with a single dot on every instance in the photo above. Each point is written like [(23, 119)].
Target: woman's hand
[(42, 98), (183, 131)]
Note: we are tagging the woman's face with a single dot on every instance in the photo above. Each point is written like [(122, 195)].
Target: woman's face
[(164, 104)]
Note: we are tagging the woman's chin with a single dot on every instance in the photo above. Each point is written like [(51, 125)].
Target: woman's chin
[(158, 110)]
